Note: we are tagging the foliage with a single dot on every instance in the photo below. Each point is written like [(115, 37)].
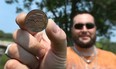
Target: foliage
[(105, 44), (5, 36), (63, 10)]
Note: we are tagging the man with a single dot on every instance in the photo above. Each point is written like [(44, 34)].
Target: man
[(49, 52), (84, 37)]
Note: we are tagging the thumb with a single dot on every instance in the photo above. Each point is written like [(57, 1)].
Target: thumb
[(57, 37)]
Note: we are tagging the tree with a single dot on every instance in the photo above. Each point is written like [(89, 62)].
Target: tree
[(63, 10), (1, 34), (5, 36), (104, 43)]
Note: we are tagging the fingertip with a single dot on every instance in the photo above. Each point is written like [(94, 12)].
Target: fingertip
[(50, 20), (57, 37), (21, 18), (52, 26), (54, 32)]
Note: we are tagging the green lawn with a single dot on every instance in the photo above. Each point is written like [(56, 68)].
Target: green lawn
[(3, 61)]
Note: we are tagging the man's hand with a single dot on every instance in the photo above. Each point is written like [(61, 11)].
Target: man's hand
[(39, 51)]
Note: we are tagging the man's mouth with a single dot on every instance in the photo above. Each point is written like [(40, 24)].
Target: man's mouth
[(85, 37)]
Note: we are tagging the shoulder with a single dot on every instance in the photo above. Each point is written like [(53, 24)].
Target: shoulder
[(106, 53), (72, 57), (70, 50), (71, 53), (106, 57)]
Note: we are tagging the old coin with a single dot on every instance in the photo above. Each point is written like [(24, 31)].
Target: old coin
[(35, 21)]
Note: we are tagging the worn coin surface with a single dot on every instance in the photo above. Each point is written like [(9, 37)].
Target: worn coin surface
[(35, 21)]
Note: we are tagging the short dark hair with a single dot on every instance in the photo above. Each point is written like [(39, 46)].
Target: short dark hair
[(81, 12)]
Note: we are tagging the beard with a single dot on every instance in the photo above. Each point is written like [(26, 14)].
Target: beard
[(88, 44)]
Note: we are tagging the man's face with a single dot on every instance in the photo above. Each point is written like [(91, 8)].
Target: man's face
[(84, 30)]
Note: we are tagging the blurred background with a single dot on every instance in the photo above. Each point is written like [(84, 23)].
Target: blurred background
[(61, 11)]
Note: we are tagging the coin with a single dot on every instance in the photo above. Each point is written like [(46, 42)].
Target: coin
[(35, 21)]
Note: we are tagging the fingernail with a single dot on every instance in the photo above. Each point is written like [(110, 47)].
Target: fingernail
[(6, 52)]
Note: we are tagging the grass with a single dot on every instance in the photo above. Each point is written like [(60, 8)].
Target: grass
[(3, 60)]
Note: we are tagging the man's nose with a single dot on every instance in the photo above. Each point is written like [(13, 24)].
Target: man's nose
[(84, 28)]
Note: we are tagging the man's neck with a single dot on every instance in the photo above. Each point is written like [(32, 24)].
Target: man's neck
[(86, 51)]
